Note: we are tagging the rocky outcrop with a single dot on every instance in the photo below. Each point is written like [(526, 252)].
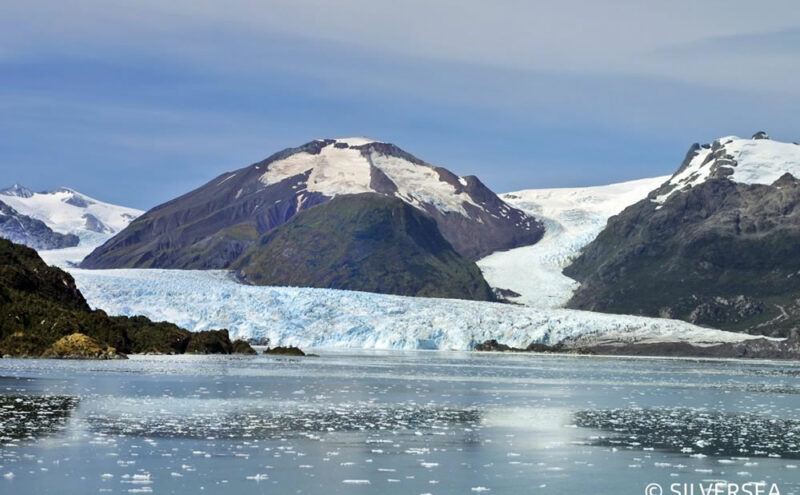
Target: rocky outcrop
[(284, 351), (240, 346), (80, 346), (212, 226), (31, 232), (493, 345), (365, 242)]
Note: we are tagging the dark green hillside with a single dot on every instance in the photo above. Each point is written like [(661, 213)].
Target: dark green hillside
[(40, 304), (364, 242)]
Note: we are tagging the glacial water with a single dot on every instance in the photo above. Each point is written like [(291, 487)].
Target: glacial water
[(397, 423)]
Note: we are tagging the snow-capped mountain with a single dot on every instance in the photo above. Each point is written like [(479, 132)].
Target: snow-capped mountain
[(31, 232), (758, 160), (532, 275), (69, 212), (360, 165), (213, 225), (716, 244)]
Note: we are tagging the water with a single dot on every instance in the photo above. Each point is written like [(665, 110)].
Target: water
[(410, 423)]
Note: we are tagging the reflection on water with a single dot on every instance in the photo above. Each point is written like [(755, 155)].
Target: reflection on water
[(392, 423), (249, 422), (691, 431), (28, 417)]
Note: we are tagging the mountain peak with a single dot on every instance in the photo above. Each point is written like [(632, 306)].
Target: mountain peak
[(333, 167), (17, 190), (355, 141), (758, 160), (228, 214)]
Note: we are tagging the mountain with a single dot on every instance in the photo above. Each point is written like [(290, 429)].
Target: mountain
[(42, 310), (69, 212), (532, 275), (234, 215), (366, 242), (716, 244), (210, 227), (31, 232)]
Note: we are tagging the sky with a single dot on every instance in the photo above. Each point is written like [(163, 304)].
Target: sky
[(138, 101)]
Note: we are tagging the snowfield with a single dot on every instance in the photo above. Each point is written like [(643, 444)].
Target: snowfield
[(324, 318), (70, 212), (573, 218)]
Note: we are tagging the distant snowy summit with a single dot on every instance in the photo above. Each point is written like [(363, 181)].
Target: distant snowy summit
[(67, 211), (758, 160), (717, 244), (400, 205)]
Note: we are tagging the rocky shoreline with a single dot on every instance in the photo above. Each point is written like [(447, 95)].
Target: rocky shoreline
[(785, 349)]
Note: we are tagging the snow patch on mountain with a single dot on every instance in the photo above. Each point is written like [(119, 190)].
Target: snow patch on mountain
[(199, 300), (746, 161), (573, 217), (341, 167), (70, 212), (417, 184), (356, 141)]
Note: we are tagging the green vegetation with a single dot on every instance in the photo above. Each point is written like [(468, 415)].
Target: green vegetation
[(365, 242), (40, 305)]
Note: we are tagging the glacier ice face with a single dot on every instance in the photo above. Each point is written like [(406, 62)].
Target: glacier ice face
[(325, 318), (573, 217)]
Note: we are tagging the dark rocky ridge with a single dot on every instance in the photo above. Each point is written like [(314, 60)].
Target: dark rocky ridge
[(31, 232), (365, 242), (721, 254), (40, 305), (210, 227)]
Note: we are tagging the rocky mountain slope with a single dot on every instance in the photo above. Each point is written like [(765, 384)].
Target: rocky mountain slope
[(40, 305), (210, 227), (31, 232), (716, 245), (364, 242)]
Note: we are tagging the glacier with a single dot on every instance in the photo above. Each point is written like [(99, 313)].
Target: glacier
[(327, 318), (572, 217)]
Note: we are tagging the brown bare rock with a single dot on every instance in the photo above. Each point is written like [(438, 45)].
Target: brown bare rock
[(80, 346)]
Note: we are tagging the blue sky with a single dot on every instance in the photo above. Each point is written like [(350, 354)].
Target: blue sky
[(136, 102)]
